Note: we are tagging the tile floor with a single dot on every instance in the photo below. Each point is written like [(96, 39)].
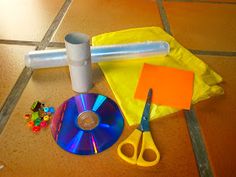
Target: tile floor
[(209, 26)]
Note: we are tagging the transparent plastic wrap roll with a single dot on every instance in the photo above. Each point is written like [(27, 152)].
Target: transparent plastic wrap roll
[(58, 57)]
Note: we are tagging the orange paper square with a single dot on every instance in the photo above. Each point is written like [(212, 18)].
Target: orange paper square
[(171, 86)]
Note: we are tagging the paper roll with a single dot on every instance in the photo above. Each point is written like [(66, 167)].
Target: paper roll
[(79, 61)]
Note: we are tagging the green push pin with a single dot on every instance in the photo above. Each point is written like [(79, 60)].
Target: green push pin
[(37, 122), (34, 116)]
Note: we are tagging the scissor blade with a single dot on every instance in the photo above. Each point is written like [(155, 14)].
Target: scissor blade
[(144, 125)]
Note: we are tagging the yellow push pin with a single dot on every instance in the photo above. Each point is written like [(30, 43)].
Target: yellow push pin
[(46, 118)]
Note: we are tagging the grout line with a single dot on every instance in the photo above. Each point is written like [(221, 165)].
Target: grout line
[(199, 148), (18, 42), (13, 96), (25, 75), (163, 15), (56, 22), (203, 1), (213, 53), (57, 44)]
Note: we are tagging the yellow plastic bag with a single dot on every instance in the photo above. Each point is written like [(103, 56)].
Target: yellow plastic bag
[(123, 76)]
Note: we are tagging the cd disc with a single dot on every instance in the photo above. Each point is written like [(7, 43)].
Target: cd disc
[(87, 124)]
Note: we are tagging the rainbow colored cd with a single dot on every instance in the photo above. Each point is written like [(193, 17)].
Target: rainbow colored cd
[(87, 124)]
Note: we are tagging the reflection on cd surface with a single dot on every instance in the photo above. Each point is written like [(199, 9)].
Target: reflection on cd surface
[(87, 124)]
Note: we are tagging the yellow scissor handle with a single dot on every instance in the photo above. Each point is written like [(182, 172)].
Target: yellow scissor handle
[(148, 144), (133, 140)]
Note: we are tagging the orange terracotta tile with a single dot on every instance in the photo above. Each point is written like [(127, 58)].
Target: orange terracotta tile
[(22, 152), (27, 20), (221, 1), (12, 63), (205, 26), (98, 16), (217, 119)]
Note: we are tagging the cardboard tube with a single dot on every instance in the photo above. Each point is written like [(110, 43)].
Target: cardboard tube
[(79, 61)]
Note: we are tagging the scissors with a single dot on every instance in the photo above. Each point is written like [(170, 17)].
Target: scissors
[(147, 141)]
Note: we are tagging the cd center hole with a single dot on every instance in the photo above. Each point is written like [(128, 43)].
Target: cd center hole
[(88, 120)]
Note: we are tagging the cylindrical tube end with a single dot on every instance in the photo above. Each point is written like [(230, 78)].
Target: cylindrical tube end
[(79, 60)]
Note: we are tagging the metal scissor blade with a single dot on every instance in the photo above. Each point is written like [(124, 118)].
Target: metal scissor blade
[(144, 125)]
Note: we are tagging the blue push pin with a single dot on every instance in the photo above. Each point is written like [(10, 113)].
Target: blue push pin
[(51, 110), (45, 109)]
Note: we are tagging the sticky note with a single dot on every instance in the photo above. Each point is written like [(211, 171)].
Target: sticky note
[(171, 87)]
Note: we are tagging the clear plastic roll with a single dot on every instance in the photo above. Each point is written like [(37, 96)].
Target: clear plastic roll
[(57, 58)]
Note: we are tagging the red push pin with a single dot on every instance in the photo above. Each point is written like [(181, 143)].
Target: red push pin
[(36, 128)]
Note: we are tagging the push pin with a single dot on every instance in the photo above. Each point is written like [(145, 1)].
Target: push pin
[(46, 118), (40, 117), (36, 128), (37, 121), (34, 116), (51, 110), (43, 124), (27, 116), (31, 123), (46, 109), (36, 106), (42, 113)]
